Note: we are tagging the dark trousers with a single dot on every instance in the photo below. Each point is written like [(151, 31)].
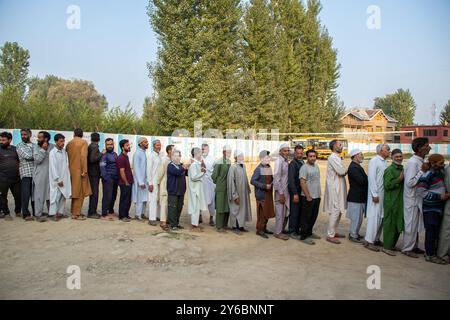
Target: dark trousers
[(14, 187), (109, 196), (294, 215), (432, 222), (175, 206), (125, 201), (93, 199), (310, 211), (26, 186)]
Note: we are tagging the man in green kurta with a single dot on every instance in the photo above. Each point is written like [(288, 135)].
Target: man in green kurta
[(393, 223), (219, 177)]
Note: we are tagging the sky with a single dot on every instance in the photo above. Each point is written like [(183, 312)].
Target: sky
[(408, 48)]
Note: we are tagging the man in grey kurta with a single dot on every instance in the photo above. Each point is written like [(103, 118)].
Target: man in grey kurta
[(239, 194), (41, 185), (280, 185)]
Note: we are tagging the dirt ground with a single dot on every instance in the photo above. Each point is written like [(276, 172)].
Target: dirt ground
[(136, 261)]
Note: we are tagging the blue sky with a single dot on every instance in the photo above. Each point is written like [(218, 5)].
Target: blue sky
[(115, 42)]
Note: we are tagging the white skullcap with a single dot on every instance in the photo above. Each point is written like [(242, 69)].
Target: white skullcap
[(284, 145), (237, 153), (226, 147), (142, 139), (354, 152)]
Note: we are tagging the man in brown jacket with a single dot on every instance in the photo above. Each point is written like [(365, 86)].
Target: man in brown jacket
[(77, 150)]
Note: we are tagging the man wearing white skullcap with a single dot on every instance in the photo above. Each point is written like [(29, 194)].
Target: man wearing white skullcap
[(282, 197), (239, 194), (139, 192), (357, 195)]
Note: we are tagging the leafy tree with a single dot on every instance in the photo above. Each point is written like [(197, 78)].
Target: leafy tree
[(14, 63), (399, 105), (123, 121), (260, 67), (445, 114)]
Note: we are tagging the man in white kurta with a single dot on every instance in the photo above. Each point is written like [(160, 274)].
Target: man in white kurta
[(140, 186), (59, 176), (208, 184), (153, 164), (238, 190), (375, 197), (335, 198), (412, 203), (197, 201), (41, 186)]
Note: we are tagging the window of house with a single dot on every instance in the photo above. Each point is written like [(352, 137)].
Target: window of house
[(430, 133), (445, 133)]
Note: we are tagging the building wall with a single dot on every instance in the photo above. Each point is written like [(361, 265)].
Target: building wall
[(442, 133)]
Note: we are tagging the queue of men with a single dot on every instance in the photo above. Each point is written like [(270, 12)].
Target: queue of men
[(395, 199)]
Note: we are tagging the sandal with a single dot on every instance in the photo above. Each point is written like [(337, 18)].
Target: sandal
[(165, 227), (410, 254), (81, 217)]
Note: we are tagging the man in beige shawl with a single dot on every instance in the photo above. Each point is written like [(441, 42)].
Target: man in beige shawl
[(239, 194)]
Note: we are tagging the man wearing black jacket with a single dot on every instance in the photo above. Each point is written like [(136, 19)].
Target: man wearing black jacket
[(357, 194), (295, 191), (94, 157)]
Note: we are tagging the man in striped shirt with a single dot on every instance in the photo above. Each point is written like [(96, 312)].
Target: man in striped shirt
[(431, 189), (26, 170)]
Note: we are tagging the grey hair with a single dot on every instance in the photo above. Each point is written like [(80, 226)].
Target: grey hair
[(176, 151), (156, 141), (381, 146)]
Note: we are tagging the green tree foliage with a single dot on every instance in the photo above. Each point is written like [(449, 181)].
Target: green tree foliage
[(14, 63), (445, 114), (399, 105), (123, 121), (268, 65)]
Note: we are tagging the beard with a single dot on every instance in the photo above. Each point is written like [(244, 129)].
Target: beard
[(40, 143), (4, 146)]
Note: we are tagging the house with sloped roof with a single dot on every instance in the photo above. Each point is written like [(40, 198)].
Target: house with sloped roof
[(368, 125)]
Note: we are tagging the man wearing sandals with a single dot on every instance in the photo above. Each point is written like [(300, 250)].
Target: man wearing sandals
[(239, 194), (59, 177), (77, 151), (412, 210), (431, 189), (140, 194), (393, 223), (444, 235), (335, 198), (162, 182), (375, 198), (197, 202)]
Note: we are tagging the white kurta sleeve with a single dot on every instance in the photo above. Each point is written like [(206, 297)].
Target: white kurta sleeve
[(372, 177), (337, 165), (412, 175)]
